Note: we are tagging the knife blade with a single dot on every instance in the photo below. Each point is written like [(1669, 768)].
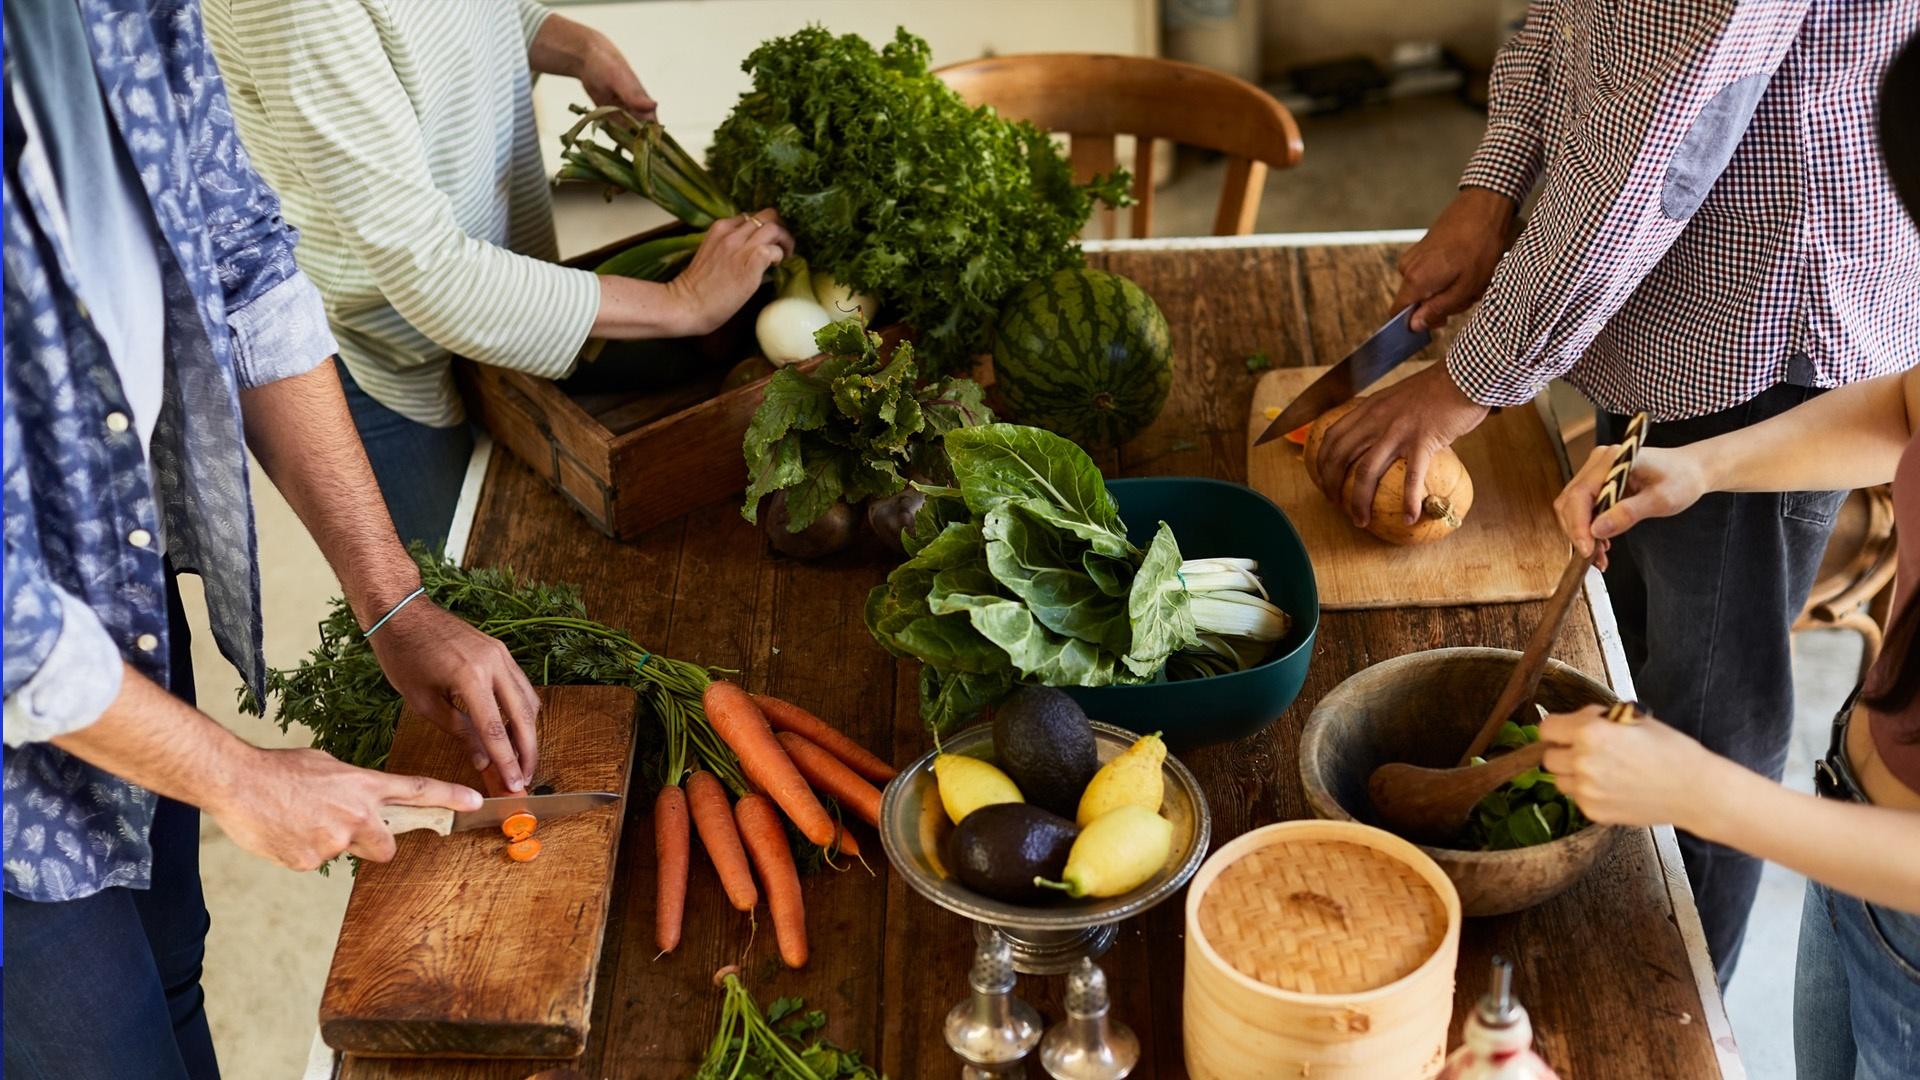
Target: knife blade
[(1388, 348), (493, 812)]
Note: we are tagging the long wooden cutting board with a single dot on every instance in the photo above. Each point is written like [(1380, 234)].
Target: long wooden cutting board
[(453, 950), (1509, 549)]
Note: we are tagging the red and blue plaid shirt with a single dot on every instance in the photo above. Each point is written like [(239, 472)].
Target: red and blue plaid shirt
[(1714, 217)]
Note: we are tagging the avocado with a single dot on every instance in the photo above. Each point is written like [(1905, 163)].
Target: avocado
[(1043, 740), (999, 849)]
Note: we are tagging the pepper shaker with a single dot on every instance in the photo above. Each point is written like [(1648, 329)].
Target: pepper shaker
[(1497, 1043), (992, 1031), (1087, 1045)]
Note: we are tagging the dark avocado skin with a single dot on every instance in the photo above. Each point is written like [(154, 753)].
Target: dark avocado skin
[(998, 850), (1041, 738)]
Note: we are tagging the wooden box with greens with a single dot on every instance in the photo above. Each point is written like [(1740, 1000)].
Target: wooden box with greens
[(937, 216)]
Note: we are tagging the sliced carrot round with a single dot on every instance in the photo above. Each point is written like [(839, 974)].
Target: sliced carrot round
[(519, 826), (524, 850)]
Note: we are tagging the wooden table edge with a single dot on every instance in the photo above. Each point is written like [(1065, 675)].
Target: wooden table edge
[(1666, 845)]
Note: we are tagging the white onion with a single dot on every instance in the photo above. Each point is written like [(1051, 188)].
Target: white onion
[(786, 328)]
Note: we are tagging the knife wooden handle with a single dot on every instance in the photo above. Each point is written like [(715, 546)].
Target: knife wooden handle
[(399, 819)]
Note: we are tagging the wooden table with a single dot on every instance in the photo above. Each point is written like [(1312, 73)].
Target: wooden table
[(1613, 971)]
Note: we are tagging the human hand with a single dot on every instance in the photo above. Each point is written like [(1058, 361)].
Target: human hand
[(1639, 773), (610, 80), (301, 808), (1448, 269), (727, 269), (1413, 419), (468, 685), (1663, 483)]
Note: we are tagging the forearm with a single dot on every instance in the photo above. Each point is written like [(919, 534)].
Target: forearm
[(161, 743), (1865, 851), (630, 308), (1851, 437), (303, 435), (564, 47)]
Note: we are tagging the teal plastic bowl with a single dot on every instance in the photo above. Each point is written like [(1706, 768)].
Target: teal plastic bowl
[(1216, 519)]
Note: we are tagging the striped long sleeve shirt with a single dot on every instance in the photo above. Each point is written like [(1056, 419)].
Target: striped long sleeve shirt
[(1714, 218), (400, 136)]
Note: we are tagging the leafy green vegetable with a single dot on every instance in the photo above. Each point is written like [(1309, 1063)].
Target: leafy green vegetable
[(781, 1044), (897, 187), (1529, 809), (643, 159), (1022, 572), (1259, 361), (852, 428)]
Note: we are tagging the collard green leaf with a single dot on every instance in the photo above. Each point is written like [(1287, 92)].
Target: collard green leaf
[(1157, 607), (1043, 568), (997, 462)]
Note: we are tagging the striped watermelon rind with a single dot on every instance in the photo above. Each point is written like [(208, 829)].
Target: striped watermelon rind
[(1085, 354)]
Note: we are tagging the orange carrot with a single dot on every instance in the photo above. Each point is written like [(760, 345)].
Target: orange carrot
[(524, 850), (739, 721), (766, 841), (670, 846), (713, 816), (843, 844), (826, 773), (519, 826), (786, 716)]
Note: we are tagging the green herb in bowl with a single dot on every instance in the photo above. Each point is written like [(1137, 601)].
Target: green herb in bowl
[(1529, 809)]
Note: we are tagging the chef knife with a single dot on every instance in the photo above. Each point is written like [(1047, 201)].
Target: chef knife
[(492, 812), (1385, 350)]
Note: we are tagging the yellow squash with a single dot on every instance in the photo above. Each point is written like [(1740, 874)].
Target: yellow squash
[(1116, 854), (1132, 779), (966, 784)]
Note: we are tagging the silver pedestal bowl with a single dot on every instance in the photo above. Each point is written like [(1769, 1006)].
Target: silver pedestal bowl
[(1048, 938)]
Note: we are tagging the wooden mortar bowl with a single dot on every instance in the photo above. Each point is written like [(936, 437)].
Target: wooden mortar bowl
[(1424, 708)]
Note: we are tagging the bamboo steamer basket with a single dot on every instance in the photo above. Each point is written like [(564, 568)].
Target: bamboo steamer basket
[(1319, 949)]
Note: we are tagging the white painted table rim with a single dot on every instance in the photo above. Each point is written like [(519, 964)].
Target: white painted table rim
[(322, 1063)]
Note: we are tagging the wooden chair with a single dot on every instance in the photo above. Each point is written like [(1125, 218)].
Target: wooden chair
[(1854, 587), (1094, 97)]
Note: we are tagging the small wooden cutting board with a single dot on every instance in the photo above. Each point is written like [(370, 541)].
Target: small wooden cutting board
[(1509, 549), (452, 949)]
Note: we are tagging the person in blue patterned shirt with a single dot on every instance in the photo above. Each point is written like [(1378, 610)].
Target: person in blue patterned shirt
[(156, 328)]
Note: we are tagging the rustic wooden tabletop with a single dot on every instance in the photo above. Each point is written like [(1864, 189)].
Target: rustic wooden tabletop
[(1612, 971)]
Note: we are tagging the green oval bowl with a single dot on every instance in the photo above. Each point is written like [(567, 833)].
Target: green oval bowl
[(1216, 519)]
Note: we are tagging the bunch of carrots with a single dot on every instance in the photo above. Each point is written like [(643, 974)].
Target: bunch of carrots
[(785, 754)]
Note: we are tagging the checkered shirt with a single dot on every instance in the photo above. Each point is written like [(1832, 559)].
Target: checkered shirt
[(1714, 217)]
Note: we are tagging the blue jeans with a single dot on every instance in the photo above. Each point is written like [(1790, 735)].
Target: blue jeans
[(1856, 999), (419, 468), (108, 986), (1705, 601)]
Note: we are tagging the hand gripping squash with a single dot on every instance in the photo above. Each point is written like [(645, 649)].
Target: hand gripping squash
[(1449, 490)]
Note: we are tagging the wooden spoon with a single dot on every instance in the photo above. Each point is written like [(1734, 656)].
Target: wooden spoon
[(1431, 805), (1525, 680)]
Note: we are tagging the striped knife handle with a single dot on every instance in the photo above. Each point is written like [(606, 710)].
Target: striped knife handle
[(1615, 488)]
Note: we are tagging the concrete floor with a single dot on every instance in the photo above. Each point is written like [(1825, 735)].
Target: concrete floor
[(1387, 167)]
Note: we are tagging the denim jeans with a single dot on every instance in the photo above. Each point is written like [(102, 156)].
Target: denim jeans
[(1856, 994), (1705, 600), (419, 468), (108, 987)]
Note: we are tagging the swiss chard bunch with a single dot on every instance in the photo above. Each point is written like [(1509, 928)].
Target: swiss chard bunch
[(897, 187), (855, 427), (1528, 809), (1022, 572)]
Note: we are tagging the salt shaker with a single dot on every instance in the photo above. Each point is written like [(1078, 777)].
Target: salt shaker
[(992, 1031), (1497, 1043), (1087, 1045)]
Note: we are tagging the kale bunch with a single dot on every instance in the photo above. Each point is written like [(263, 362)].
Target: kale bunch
[(897, 187)]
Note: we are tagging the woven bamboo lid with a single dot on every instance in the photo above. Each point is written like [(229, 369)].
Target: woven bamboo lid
[(1317, 916)]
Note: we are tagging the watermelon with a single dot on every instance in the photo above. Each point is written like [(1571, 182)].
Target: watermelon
[(1083, 353)]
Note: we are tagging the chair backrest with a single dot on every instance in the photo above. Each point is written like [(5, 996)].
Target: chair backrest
[(1093, 97)]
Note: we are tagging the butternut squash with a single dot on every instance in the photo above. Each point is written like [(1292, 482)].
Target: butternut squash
[(1449, 490)]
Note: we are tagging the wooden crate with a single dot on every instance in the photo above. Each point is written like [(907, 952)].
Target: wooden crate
[(633, 460)]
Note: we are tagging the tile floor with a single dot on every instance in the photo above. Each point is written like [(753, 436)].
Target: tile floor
[(1390, 167)]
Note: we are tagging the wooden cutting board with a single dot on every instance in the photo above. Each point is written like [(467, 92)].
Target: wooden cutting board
[(1509, 549), (452, 949)]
